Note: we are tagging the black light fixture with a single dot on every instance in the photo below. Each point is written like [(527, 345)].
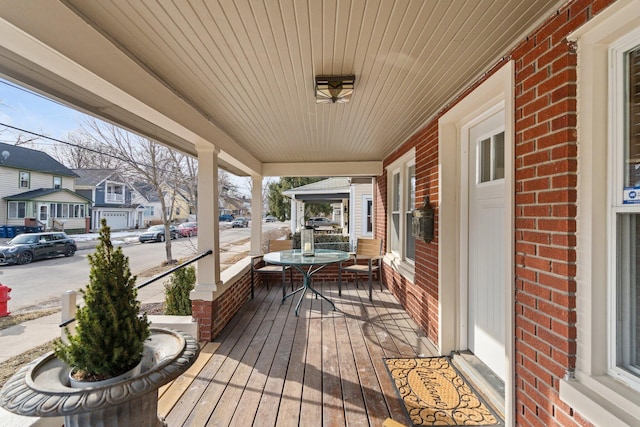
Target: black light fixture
[(334, 89)]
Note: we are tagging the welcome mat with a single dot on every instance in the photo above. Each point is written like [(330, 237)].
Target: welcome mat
[(435, 393)]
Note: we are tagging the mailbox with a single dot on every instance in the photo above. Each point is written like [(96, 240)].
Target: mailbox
[(423, 222)]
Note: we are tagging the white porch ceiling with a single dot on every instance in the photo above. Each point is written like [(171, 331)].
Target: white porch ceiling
[(239, 74)]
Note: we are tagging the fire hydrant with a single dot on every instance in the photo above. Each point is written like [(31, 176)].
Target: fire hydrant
[(4, 298)]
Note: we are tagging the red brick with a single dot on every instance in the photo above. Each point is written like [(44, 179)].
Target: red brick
[(536, 158), (557, 196), (557, 109), (539, 48), (535, 237), (563, 136), (536, 184), (537, 211), (567, 91), (559, 225), (560, 254), (537, 263), (552, 54), (564, 181), (564, 77), (536, 131)]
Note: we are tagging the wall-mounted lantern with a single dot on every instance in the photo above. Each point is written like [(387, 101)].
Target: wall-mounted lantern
[(423, 222)]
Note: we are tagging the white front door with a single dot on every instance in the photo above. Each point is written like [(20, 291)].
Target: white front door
[(43, 213), (486, 281)]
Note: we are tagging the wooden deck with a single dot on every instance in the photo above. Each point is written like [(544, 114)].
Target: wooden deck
[(323, 368)]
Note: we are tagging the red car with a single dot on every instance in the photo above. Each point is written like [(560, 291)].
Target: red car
[(188, 229)]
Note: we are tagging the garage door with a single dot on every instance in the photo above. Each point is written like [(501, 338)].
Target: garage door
[(116, 220)]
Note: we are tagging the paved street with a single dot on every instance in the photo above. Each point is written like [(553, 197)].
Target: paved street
[(41, 283)]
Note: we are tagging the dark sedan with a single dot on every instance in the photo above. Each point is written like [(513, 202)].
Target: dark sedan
[(155, 233), (25, 248)]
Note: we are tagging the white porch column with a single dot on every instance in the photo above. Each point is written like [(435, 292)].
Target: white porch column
[(256, 215), (208, 271), (294, 215)]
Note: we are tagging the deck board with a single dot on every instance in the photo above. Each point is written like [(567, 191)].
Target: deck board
[(323, 368)]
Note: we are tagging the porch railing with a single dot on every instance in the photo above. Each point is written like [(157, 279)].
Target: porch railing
[(69, 305)]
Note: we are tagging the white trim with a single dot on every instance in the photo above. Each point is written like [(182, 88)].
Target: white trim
[(363, 225), (493, 94), (616, 118), (397, 260), (596, 396)]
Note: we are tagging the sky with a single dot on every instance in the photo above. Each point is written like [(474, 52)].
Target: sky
[(33, 112), (26, 110)]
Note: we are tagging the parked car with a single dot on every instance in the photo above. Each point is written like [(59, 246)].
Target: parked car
[(225, 218), (155, 233), (240, 222), (321, 221), (25, 248), (188, 229), (270, 218)]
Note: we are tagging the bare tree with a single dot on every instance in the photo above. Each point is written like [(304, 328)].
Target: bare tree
[(144, 160), (80, 152)]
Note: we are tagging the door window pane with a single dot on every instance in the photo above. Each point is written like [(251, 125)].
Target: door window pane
[(485, 160), (498, 156)]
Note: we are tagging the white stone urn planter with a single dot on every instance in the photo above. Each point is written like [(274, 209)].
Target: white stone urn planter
[(42, 387)]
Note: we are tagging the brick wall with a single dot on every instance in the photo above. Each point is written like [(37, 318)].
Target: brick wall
[(545, 217), (212, 316), (546, 177), (420, 298)]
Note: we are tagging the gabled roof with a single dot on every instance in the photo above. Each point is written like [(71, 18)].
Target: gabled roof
[(327, 190), (147, 191), (32, 160), (93, 177), (41, 192)]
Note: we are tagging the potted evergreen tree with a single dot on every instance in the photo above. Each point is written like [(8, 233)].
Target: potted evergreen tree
[(111, 338), (110, 332)]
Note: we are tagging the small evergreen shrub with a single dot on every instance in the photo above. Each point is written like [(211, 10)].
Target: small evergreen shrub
[(177, 290), (110, 333)]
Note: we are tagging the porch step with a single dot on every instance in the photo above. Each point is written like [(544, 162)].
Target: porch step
[(486, 383)]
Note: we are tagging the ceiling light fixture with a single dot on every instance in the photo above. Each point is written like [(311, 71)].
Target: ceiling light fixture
[(334, 89)]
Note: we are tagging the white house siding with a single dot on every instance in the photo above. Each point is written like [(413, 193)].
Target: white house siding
[(9, 186)]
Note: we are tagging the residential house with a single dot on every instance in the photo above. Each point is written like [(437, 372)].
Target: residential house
[(37, 190), (350, 198), (110, 196), (516, 120), (146, 196), (150, 209)]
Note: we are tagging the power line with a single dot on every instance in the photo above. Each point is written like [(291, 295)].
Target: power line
[(93, 150)]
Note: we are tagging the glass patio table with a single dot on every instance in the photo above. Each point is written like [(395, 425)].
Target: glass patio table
[(307, 265)]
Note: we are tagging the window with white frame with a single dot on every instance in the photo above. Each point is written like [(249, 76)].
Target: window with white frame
[(401, 187), (17, 210), (24, 180), (367, 215), (115, 193), (624, 317), (57, 182)]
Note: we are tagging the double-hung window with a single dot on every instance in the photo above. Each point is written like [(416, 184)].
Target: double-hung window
[(24, 180), (624, 284), (401, 187), (17, 210)]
